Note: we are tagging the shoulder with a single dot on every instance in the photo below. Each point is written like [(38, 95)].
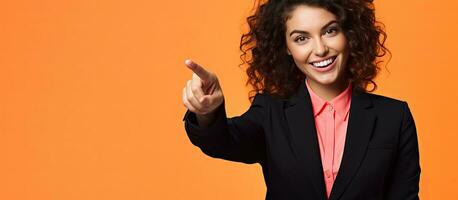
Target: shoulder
[(264, 99), (381, 100), (388, 106)]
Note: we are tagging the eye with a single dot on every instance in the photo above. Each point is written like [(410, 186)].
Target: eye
[(300, 38), (332, 31)]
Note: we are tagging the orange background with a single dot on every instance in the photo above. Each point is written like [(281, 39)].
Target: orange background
[(90, 102)]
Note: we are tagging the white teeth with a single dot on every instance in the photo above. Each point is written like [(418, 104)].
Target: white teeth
[(323, 63)]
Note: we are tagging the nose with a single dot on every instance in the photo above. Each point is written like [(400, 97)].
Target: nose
[(321, 49)]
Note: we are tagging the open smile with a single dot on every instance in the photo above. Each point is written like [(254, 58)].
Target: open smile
[(324, 63)]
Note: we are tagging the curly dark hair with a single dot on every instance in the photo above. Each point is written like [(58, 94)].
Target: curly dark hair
[(271, 70)]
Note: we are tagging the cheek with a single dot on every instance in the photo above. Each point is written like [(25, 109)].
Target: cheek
[(298, 58), (300, 54), (339, 43)]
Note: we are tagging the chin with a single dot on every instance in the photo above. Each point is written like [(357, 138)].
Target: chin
[(326, 82), (324, 79)]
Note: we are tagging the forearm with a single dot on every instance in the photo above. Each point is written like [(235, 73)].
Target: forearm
[(237, 139), (205, 121)]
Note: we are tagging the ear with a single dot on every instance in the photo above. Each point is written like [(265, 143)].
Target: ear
[(288, 52)]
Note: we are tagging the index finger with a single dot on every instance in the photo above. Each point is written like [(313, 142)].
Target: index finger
[(199, 70)]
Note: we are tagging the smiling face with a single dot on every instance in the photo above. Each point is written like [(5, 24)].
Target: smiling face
[(318, 46)]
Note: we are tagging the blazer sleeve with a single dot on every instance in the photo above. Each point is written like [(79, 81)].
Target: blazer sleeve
[(404, 182), (239, 138)]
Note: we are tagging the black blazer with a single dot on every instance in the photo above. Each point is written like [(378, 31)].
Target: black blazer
[(380, 159)]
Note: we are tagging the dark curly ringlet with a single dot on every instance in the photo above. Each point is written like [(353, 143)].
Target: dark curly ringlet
[(271, 70)]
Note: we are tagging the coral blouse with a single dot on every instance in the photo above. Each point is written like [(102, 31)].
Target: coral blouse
[(331, 120)]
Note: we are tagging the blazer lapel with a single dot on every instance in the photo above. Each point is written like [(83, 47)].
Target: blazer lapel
[(303, 138), (359, 131)]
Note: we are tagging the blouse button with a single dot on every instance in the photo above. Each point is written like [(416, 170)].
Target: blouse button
[(328, 174)]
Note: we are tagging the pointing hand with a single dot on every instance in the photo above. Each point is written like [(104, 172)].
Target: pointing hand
[(202, 94)]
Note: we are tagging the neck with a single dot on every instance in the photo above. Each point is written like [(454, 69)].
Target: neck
[(328, 92)]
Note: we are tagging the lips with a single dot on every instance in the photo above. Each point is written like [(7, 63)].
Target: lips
[(324, 63)]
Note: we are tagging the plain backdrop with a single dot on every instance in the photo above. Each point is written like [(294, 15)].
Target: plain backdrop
[(90, 96)]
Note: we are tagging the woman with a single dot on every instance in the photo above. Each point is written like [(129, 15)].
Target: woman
[(312, 125)]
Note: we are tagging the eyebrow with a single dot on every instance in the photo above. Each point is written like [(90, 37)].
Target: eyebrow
[(305, 32)]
